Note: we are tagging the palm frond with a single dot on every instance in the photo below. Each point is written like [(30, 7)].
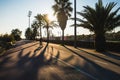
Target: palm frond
[(57, 1), (99, 19), (55, 8), (109, 7), (87, 26)]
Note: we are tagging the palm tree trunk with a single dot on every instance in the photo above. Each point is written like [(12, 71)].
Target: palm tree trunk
[(47, 36), (62, 37), (40, 32), (100, 42), (40, 36)]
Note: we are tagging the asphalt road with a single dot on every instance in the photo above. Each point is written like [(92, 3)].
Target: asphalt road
[(29, 61)]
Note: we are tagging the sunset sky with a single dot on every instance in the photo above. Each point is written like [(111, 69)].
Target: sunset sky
[(14, 14)]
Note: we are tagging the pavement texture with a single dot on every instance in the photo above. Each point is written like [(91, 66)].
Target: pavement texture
[(30, 61)]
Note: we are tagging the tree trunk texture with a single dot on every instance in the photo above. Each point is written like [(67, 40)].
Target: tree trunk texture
[(100, 42), (62, 37), (47, 35)]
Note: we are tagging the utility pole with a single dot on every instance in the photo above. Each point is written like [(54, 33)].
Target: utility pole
[(75, 31), (29, 15)]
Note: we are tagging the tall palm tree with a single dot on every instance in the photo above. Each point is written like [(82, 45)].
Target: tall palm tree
[(39, 18), (35, 27), (62, 9), (48, 24), (100, 20)]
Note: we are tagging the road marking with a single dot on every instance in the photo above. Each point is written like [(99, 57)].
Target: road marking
[(101, 62), (87, 74)]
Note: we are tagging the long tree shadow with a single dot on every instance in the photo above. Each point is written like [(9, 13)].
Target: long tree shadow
[(26, 67), (60, 68), (37, 68), (100, 73), (3, 62), (69, 58), (33, 64), (17, 48), (54, 59), (111, 55), (100, 57)]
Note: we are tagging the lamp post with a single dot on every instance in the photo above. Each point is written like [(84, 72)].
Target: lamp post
[(75, 37), (29, 15)]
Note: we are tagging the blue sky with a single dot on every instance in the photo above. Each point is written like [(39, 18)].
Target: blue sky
[(13, 14)]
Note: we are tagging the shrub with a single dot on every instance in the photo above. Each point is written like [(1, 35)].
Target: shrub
[(6, 41)]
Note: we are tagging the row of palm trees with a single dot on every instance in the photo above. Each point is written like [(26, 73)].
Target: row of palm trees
[(98, 20), (43, 21), (62, 9), (39, 22)]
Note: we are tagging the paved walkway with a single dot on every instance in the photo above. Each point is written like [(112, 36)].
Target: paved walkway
[(29, 61), (104, 66), (32, 62)]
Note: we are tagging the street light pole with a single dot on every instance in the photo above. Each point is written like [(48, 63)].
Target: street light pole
[(75, 37), (29, 15)]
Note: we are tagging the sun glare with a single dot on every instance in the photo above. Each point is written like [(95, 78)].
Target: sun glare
[(51, 17)]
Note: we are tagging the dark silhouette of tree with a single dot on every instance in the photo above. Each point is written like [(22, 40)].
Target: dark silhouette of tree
[(28, 33), (6, 41), (7, 38), (16, 34), (99, 20), (39, 19), (62, 9), (35, 27)]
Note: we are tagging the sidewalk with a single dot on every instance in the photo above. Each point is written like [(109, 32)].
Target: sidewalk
[(55, 62), (32, 62), (106, 66)]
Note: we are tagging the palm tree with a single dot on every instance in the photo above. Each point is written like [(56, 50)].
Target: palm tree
[(48, 24), (39, 18), (62, 9), (100, 20), (35, 27)]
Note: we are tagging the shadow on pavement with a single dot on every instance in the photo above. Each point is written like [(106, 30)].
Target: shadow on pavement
[(33, 67), (17, 48), (111, 55), (26, 67), (118, 64), (96, 70)]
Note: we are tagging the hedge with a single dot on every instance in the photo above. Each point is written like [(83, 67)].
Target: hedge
[(111, 46)]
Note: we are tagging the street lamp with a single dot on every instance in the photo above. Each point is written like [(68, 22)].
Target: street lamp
[(75, 37), (29, 15)]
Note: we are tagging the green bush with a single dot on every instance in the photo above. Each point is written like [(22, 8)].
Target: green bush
[(6, 41), (7, 38)]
